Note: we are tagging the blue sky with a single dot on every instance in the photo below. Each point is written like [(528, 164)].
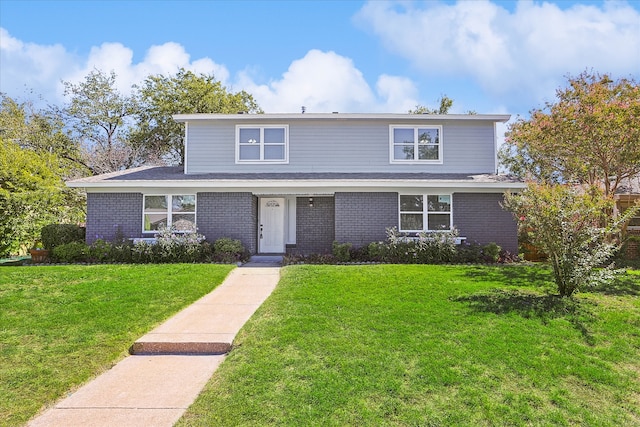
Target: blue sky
[(347, 56)]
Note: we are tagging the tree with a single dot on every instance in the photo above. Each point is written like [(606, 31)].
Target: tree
[(157, 135), (100, 115), (36, 156), (445, 104), (32, 194), (590, 135), (566, 223), (42, 131)]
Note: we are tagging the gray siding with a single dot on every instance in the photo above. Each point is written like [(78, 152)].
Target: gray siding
[(362, 218), (481, 219), (343, 146), (315, 225), (233, 215), (113, 215)]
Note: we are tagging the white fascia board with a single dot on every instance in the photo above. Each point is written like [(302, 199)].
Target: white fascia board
[(181, 118), (295, 186)]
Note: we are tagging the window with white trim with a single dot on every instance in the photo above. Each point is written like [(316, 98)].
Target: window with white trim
[(177, 211), (262, 144), (418, 144), (425, 212)]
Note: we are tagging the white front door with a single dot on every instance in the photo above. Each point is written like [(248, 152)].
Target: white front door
[(271, 227)]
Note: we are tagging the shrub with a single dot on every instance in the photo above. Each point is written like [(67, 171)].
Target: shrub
[(468, 252), (59, 234), (309, 259), (360, 254), (176, 247), (121, 252), (376, 251), (143, 253), (342, 251), (229, 250), (572, 228), (100, 251), (70, 252), (425, 248), (491, 252)]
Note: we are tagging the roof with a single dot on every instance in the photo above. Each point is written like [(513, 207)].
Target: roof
[(341, 117), (174, 176), (629, 186)]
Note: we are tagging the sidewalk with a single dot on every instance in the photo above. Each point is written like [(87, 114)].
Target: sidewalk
[(170, 365)]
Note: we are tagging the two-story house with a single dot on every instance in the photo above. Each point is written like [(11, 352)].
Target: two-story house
[(298, 182)]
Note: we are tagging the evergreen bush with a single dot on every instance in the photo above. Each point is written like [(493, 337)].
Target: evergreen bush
[(53, 235)]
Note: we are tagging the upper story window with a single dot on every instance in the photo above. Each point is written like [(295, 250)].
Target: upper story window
[(428, 212), (415, 144), (169, 211), (262, 144)]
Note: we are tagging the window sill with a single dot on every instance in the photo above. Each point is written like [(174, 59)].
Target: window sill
[(143, 239), (415, 162), (459, 240), (262, 162)]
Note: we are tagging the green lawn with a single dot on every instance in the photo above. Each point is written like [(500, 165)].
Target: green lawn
[(430, 346), (61, 325)]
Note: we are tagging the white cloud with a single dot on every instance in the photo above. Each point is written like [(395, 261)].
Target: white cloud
[(160, 59), (42, 68), (320, 81), (524, 53), (325, 82), (28, 66), (400, 93)]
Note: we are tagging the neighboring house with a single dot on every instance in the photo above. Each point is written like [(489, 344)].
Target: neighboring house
[(627, 194), (297, 182)]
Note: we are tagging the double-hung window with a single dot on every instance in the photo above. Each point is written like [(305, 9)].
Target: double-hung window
[(262, 144), (177, 212), (415, 144), (425, 212)]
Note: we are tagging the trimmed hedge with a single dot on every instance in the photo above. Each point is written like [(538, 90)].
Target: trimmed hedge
[(53, 235)]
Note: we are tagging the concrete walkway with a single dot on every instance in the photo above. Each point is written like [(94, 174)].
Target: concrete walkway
[(170, 365)]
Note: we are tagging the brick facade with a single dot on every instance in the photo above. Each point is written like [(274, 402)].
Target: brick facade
[(113, 215), (350, 217), (633, 246), (315, 225), (362, 218), (233, 215), (481, 218)]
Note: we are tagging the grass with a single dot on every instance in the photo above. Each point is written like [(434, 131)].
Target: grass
[(61, 325), (430, 346)]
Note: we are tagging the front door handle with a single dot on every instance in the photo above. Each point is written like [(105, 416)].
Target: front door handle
[(261, 227)]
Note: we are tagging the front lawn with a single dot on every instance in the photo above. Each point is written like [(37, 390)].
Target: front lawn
[(430, 345), (61, 325)]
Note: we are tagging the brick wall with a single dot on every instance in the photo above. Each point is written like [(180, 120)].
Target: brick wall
[(633, 246), (361, 218), (480, 218), (233, 215), (357, 218), (113, 214), (314, 225)]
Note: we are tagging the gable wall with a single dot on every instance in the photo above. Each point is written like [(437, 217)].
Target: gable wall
[(341, 146)]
